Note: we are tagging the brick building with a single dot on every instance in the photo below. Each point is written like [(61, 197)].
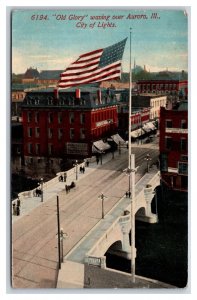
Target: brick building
[(145, 113), (139, 117), (67, 125), (174, 87), (174, 147)]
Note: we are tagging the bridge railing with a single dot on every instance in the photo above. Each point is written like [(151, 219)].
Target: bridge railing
[(90, 256), (28, 194), (155, 180)]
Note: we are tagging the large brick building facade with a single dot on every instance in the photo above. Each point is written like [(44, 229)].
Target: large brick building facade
[(67, 125), (174, 147), (163, 86)]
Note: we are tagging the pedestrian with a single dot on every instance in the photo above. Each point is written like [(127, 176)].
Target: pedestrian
[(65, 176), (126, 194), (83, 169), (97, 160), (14, 209), (18, 210), (87, 163), (80, 169), (129, 193)]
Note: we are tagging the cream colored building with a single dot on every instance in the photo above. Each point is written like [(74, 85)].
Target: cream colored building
[(155, 104), (152, 101)]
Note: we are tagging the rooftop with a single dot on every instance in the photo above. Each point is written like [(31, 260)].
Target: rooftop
[(67, 98)]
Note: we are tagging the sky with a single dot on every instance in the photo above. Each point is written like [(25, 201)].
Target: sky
[(52, 39)]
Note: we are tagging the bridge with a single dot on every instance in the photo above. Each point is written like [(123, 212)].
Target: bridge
[(89, 236), (111, 233)]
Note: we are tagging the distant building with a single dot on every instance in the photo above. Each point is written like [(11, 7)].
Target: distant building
[(18, 96), (163, 86), (30, 75), (67, 125), (152, 101), (47, 77), (148, 101), (139, 118), (174, 147)]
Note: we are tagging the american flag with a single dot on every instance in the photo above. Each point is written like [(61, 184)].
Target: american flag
[(94, 66)]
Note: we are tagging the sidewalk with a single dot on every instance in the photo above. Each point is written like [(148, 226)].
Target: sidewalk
[(89, 240), (28, 203)]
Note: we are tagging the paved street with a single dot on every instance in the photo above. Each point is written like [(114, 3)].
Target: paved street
[(34, 232)]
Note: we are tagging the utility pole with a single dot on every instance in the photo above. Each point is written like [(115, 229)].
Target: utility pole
[(131, 167), (58, 232)]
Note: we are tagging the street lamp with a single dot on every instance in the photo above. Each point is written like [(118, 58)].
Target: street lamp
[(102, 197), (76, 166), (101, 156), (128, 173), (62, 234), (148, 159)]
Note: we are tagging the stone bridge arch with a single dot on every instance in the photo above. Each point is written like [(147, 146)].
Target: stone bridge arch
[(120, 229)]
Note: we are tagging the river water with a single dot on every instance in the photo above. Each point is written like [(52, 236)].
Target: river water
[(162, 247)]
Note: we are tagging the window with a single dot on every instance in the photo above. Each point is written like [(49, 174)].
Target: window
[(168, 123), (183, 124), (184, 157), (37, 117), (50, 133), (50, 117), (82, 118), (37, 132), (29, 132), (72, 133), (183, 168), (29, 116), (60, 133), (59, 118), (71, 117), (37, 148), (168, 143), (164, 162), (29, 148), (50, 149), (37, 101), (82, 133), (183, 144)]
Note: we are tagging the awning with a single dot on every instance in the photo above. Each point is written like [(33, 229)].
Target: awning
[(101, 146), (151, 125), (136, 133), (146, 128), (117, 139)]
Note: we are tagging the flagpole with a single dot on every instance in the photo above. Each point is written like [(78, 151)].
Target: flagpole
[(130, 103), (131, 167)]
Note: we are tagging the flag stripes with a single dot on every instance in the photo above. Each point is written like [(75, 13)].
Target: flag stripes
[(94, 66)]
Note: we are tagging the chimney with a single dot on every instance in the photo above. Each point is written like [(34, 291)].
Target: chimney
[(56, 93), (78, 93), (99, 95)]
